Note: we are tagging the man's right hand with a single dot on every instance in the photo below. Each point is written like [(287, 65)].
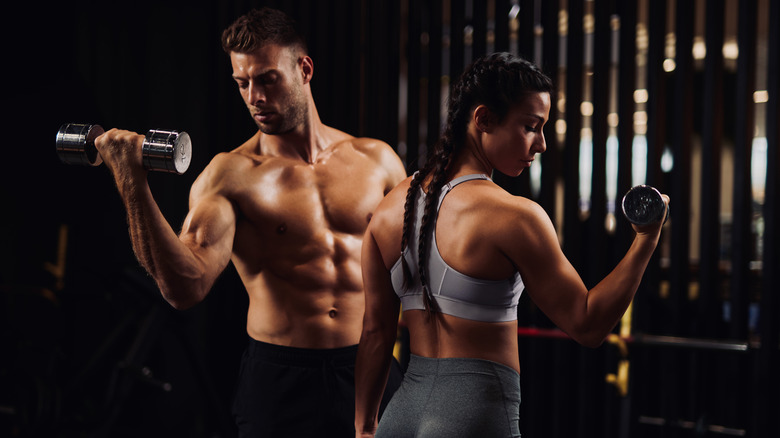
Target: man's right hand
[(122, 151)]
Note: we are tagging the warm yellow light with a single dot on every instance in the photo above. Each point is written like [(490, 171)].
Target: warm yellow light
[(699, 48), (612, 120), (586, 109), (730, 50), (640, 96), (761, 96), (560, 126)]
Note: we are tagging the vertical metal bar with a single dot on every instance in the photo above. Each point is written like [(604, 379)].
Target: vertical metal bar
[(434, 71), (502, 25), (652, 302), (656, 87), (656, 136), (706, 312), (768, 356), (457, 28), (627, 11), (479, 23), (525, 37), (551, 159), (626, 106), (681, 136), (712, 139), (742, 207), (573, 229), (381, 63), (413, 102), (572, 226), (393, 53), (339, 15), (522, 184), (598, 240)]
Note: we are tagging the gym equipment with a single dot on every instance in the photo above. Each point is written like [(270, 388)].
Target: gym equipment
[(644, 205), (163, 151)]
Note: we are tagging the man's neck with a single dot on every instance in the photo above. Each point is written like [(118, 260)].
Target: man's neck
[(305, 142)]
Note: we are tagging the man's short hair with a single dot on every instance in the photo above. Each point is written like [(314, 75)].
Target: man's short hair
[(260, 27)]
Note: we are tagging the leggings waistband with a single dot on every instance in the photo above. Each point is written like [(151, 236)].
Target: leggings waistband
[(458, 365)]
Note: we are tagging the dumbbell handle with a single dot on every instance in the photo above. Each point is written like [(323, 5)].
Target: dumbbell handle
[(163, 151), (644, 205)]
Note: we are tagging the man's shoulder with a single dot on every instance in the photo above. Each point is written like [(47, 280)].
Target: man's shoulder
[(383, 156), (374, 149), (229, 160), (228, 165), (369, 145)]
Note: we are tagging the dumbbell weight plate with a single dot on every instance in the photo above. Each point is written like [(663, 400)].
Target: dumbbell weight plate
[(167, 151), (644, 205), (76, 144)]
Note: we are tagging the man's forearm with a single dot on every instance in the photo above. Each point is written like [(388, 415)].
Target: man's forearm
[(159, 250)]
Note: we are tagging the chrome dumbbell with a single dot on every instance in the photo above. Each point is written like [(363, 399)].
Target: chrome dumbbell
[(163, 151), (644, 205)]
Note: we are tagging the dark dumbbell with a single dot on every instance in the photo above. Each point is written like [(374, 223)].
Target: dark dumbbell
[(163, 151), (644, 205)]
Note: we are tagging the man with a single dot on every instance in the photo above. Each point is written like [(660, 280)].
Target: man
[(288, 208)]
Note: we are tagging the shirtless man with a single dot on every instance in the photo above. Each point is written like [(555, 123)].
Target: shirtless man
[(289, 208)]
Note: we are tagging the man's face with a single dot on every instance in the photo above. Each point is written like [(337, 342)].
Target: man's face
[(271, 82)]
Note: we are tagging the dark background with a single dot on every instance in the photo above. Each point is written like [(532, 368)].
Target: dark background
[(89, 349)]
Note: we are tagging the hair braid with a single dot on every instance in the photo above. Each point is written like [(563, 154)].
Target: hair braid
[(409, 206), (431, 201)]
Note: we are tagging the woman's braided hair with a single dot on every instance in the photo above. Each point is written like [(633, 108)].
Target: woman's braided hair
[(498, 81)]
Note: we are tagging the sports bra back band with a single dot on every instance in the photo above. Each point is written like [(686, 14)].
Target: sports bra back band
[(453, 293)]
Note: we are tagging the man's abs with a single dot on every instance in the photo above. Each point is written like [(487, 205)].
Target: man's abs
[(305, 318)]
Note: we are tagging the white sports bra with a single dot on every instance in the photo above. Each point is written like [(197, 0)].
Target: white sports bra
[(454, 293)]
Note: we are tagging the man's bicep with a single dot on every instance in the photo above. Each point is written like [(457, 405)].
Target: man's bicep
[(209, 229)]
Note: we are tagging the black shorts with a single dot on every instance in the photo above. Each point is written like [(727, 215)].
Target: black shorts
[(298, 392)]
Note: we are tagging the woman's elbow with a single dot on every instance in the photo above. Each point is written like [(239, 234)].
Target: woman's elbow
[(589, 337), (592, 341)]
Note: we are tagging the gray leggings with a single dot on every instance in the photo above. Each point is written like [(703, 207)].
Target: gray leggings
[(454, 398)]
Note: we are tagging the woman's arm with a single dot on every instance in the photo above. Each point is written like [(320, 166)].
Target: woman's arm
[(588, 316), (380, 323)]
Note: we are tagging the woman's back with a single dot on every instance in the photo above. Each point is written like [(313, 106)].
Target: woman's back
[(470, 229)]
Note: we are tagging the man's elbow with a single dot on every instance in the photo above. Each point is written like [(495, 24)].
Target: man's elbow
[(181, 299)]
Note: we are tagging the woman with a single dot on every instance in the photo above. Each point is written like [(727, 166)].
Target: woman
[(468, 248)]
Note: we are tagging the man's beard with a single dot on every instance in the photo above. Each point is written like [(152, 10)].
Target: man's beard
[(289, 118)]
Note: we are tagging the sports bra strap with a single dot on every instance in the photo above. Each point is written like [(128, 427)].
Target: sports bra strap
[(461, 179)]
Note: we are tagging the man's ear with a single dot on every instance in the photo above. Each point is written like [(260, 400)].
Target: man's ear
[(483, 118), (307, 68)]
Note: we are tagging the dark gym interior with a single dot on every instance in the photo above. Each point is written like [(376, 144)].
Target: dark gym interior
[(678, 94)]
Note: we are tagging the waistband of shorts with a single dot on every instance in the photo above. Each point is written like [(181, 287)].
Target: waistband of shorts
[(459, 365), (302, 356)]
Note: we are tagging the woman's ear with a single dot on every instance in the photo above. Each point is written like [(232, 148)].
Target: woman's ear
[(483, 119)]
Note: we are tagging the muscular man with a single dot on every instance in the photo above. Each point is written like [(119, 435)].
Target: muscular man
[(288, 208)]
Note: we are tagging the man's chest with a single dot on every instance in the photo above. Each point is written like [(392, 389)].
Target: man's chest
[(337, 196)]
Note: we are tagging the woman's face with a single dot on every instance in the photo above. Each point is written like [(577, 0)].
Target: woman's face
[(511, 144)]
